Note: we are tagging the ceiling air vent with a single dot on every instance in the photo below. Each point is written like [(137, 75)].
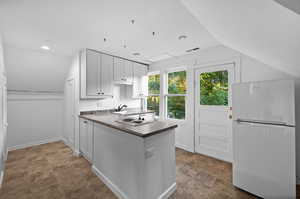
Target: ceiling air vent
[(191, 50)]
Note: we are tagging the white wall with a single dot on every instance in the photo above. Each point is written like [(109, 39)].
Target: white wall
[(250, 70), (121, 96), (34, 119)]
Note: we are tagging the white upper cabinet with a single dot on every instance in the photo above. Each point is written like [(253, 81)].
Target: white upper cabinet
[(118, 69), (140, 80), (99, 72), (96, 75), (123, 71), (128, 71), (107, 68), (93, 60)]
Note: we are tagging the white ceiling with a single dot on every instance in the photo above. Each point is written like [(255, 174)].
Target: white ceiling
[(68, 25), (262, 29)]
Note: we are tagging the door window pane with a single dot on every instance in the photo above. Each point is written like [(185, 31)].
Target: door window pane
[(177, 82), (154, 84), (176, 107), (153, 104), (214, 88)]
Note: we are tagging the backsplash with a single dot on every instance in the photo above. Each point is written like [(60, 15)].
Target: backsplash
[(122, 95)]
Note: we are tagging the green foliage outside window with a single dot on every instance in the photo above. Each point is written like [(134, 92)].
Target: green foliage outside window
[(176, 107), (214, 88), (154, 84), (153, 104), (177, 82), (153, 89), (176, 104)]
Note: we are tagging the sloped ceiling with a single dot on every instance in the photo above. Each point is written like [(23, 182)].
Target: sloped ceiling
[(293, 5), (31, 70), (262, 29)]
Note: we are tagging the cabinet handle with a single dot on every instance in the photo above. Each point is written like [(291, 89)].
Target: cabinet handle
[(85, 122)]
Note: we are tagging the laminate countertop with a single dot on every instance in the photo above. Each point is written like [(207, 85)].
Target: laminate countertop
[(144, 130)]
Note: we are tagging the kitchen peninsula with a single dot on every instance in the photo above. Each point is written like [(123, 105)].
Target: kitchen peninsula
[(134, 161)]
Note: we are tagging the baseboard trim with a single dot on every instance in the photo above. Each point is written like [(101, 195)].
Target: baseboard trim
[(1, 178), (168, 192), (184, 147), (22, 146), (108, 183)]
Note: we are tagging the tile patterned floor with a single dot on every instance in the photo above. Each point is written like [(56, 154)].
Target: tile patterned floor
[(50, 171)]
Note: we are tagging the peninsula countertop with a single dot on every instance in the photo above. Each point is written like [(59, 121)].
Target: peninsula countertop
[(145, 130)]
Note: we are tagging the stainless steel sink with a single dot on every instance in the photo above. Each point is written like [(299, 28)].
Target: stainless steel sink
[(135, 121)]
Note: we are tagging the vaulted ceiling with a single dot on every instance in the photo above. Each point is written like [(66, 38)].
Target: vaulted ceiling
[(293, 5), (262, 29)]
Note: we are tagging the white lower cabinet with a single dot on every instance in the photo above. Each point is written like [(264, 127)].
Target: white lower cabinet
[(86, 139)]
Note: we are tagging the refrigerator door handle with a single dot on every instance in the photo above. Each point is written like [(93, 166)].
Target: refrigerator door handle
[(263, 122)]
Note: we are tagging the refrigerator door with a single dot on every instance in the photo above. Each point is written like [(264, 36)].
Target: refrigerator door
[(264, 159), (272, 101)]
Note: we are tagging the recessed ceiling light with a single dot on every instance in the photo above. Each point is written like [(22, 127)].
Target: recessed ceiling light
[(44, 47), (182, 37), (136, 54)]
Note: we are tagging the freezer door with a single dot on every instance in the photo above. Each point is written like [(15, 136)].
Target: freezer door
[(272, 101), (264, 159)]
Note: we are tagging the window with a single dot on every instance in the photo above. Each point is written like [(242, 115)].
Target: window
[(153, 93), (214, 88), (175, 99)]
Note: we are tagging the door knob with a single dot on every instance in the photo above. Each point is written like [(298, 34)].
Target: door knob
[(230, 116)]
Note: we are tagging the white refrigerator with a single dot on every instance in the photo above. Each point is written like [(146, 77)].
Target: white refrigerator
[(264, 138)]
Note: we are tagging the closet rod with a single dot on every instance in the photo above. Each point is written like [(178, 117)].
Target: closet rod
[(34, 91)]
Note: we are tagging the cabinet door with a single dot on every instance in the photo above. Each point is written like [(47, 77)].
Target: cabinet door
[(140, 81), (93, 60), (118, 69), (128, 72), (90, 141), (106, 80), (83, 138)]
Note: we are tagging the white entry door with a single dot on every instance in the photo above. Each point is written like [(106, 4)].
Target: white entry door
[(213, 124), (70, 112)]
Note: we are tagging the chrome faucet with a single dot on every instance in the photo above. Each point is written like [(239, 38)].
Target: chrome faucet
[(120, 107)]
